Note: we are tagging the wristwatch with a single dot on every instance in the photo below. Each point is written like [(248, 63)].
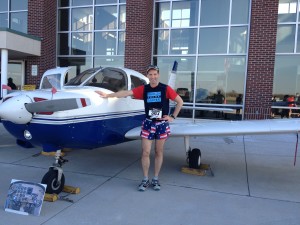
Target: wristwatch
[(171, 115)]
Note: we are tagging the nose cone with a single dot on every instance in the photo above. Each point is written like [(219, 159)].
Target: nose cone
[(14, 110)]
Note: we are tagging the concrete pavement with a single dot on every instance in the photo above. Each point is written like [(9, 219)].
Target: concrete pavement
[(255, 183)]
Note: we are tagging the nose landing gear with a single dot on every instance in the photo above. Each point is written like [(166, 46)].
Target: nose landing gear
[(54, 178)]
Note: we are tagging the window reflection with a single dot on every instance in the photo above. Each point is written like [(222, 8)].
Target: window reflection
[(115, 61), (238, 40), (163, 17), (287, 10), (240, 12), (106, 18), (183, 41), (3, 19), (18, 5), (185, 14), (285, 38), (287, 76), (220, 73), (18, 21), (214, 12), (105, 43), (213, 40), (82, 19), (161, 42), (82, 43)]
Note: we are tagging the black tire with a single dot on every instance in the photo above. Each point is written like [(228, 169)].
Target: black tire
[(50, 179), (195, 158)]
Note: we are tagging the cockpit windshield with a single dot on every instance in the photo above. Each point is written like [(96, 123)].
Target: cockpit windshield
[(82, 77), (109, 78)]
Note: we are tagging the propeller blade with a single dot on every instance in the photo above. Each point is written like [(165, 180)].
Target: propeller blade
[(56, 105)]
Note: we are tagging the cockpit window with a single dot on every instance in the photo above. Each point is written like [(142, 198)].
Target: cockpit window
[(51, 80), (78, 80), (109, 78)]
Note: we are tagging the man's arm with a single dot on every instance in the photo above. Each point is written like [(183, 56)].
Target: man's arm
[(179, 104), (119, 94)]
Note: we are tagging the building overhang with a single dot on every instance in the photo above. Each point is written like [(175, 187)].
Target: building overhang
[(19, 45)]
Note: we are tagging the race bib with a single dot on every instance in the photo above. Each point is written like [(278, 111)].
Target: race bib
[(155, 113)]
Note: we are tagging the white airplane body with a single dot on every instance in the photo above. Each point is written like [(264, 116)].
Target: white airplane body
[(73, 115)]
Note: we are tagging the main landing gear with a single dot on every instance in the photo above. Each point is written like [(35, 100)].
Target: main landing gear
[(55, 178), (193, 155)]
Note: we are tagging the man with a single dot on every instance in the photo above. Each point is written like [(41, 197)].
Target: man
[(156, 124), (11, 84)]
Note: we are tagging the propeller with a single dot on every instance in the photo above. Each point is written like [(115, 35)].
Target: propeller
[(56, 105)]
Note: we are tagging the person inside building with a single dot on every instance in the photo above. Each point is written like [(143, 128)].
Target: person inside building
[(238, 101), (11, 84), (219, 99), (156, 124)]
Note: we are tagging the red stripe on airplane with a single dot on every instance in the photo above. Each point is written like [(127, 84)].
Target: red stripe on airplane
[(83, 102)]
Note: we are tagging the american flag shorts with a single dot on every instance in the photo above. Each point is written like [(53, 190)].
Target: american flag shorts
[(155, 129)]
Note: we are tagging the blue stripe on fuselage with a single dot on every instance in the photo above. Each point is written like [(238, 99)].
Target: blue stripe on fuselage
[(87, 135)]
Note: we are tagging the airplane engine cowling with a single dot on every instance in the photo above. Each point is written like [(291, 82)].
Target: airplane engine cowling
[(13, 109)]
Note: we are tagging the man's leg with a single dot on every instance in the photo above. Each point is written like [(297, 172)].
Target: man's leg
[(146, 148), (159, 155)]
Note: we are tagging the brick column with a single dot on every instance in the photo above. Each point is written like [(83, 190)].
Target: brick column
[(138, 44), (261, 59), (42, 23)]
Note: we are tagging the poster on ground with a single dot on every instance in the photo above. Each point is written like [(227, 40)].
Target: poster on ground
[(25, 198)]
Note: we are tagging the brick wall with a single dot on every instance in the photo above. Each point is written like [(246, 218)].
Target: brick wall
[(138, 45), (261, 59), (42, 23)]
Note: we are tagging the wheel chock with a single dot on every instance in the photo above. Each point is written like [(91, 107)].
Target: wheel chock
[(50, 197), (72, 190), (52, 153), (202, 171)]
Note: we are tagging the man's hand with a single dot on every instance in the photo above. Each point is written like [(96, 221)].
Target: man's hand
[(102, 94), (167, 118)]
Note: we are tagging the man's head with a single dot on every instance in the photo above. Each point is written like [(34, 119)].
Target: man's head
[(153, 75), (10, 80)]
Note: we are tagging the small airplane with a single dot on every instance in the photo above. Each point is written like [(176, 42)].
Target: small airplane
[(72, 115)]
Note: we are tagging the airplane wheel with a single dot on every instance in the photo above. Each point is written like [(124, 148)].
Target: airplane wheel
[(53, 186), (195, 158)]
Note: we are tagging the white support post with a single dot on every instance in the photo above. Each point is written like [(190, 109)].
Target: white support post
[(4, 64)]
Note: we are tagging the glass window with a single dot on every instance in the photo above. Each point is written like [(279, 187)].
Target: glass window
[(82, 2), (18, 5), (287, 10), (183, 41), (240, 11), (185, 71), (18, 21), (63, 44), (82, 19), (185, 14), (3, 19), (78, 65), (122, 17), (82, 43), (3, 6), (287, 75), (238, 40), (214, 12), (163, 17), (121, 44), (115, 61), (161, 42), (105, 43), (106, 1), (63, 20), (220, 73), (213, 40), (63, 3), (285, 38), (298, 42), (106, 18)]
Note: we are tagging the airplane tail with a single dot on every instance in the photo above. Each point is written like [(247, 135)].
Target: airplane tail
[(172, 83)]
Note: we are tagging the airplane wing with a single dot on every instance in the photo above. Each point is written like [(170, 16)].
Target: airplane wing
[(187, 127)]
